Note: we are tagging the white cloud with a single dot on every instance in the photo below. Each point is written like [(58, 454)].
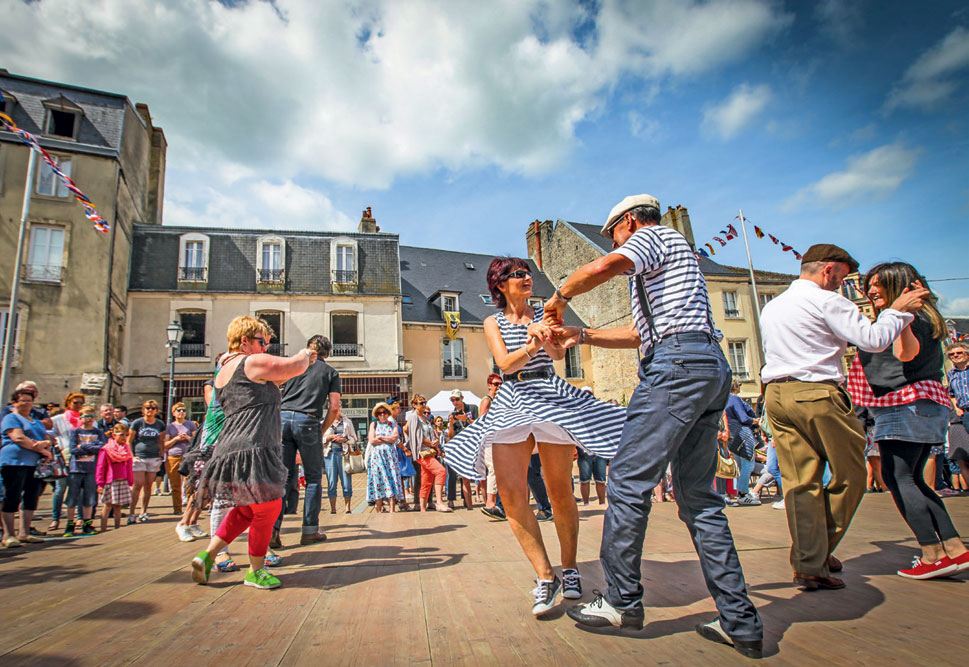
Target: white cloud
[(642, 127), (958, 307), (931, 79), (874, 174), (733, 114), (840, 20)]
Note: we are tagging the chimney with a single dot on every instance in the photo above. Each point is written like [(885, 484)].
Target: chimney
[(537, 239), (679, 219), (368, 225)]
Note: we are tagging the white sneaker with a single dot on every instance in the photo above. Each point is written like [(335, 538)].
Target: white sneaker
[(600, 614), (196, 531), (779, 505), (545, 594), (184, 534)]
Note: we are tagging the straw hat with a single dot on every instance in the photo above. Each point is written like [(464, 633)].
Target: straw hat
[(380, 406)]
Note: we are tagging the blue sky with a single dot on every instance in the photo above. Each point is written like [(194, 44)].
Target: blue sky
[(460, 122)]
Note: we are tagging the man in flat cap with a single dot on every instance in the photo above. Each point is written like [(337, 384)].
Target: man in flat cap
[(805, 331), (672, 419)]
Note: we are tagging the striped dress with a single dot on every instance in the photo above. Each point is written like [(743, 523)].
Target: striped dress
[(550, 408)]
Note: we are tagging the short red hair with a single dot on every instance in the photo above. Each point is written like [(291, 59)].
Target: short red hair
[(498, 271)]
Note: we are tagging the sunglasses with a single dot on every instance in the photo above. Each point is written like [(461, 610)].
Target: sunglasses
[(260, 340), (420, 402), (382, 412), (151, 408), (180, 410), (497, 384), (455, 400), (520, 273)]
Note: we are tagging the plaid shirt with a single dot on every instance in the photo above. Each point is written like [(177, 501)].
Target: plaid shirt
[(959, 386), (861, 393)]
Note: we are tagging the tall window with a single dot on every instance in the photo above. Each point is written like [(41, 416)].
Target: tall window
[(46, 256), (194, 254), (730, 308), (764, 298), (274, 319), (737, 353), (193, 335), (345, 270), (193, 257), (449, 304), (573, 362), (271, 259), (49, 183), (344, 335), (453, 365), (4, 323)]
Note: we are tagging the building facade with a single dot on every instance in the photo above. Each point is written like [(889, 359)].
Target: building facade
[(559, 248), (72, 307)]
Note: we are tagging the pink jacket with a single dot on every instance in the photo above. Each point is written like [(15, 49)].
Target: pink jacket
[(108, 471)]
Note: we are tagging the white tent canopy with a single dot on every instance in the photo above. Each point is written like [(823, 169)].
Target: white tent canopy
[(440, 404)]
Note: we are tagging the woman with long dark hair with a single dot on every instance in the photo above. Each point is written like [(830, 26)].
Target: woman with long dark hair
[(902, 389), (533, 409)]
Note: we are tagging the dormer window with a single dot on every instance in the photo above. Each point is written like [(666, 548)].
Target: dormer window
[(193, 257), (63, 118), (7, 103), (271, 259), (343, 261), (449, 303)]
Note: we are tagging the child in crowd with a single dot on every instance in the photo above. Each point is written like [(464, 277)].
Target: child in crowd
[(114, 474), (86, 443)]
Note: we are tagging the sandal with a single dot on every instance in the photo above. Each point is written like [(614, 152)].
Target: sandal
[(273, 560), (54, 526), (227, 565)]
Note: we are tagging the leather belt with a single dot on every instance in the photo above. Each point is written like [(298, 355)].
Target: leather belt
[(790, 379), (301, 412), (525, 376)]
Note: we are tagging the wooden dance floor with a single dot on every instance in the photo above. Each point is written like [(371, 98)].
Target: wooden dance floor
[(445, 589)]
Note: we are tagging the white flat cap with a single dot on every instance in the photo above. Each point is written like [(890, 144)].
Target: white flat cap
[(630, 202)]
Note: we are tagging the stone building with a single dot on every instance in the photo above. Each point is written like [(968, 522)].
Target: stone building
[(435, 282), (558, 248), (345, 286), (72, 305)]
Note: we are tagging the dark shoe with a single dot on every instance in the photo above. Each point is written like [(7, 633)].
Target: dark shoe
[(572, 583), (275, 542), (493, 512), (600, 614), (834, 564), (36, 533), (315, 538), (545, 594), (544, 515), (69, 531), (715, 633), (89, 528), (811, 583)]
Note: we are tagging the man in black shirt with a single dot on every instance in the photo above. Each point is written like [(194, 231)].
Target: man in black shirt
[(308, 399)]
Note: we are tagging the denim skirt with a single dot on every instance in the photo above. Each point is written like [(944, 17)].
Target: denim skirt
[(924, 421)]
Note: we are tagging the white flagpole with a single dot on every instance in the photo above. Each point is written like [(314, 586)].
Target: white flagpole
[(753, 281)]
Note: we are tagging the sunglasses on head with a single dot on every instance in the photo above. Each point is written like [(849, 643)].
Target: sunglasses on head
[(520, 273)]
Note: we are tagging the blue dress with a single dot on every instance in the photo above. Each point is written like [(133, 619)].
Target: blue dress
[(383, 472), (549, 408)]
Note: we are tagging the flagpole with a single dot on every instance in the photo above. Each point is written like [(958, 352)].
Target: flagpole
[(753, 282), (12, 312)]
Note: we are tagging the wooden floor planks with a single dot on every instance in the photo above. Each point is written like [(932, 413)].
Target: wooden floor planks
[(454, 589)]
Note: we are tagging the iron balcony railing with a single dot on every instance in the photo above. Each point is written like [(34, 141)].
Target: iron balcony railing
[(50, 273), (189, 350), (344, 277), (732, 313), (271, 275), (195, 274), (347, 350), (277, 349)]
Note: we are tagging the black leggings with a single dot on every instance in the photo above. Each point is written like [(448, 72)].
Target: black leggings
[(923, 510)]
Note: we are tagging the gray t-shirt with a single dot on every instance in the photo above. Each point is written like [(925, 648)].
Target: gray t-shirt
[(145, 441)]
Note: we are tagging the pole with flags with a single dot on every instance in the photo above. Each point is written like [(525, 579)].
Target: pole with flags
[(753, 281)]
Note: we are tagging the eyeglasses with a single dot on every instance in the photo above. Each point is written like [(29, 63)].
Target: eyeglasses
[(520, 273), (956, 354), (260, 340), (420, 402)]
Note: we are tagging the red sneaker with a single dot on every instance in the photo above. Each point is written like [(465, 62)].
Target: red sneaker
[(962, 562), (920, 570)]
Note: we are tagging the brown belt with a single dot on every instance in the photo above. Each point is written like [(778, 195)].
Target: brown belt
[(834, 383)]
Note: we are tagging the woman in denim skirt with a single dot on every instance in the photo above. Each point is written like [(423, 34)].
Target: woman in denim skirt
[(902, 388)]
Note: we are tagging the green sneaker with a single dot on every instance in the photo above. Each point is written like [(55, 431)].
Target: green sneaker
[(262, 579), (201, 567), (69, 531)]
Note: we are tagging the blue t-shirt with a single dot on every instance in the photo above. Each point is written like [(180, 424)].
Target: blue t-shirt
[(86, 444), (738, 410), (13, 454)]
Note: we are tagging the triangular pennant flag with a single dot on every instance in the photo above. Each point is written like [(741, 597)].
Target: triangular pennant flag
[(773, 238), (719, 240), (702, 253), (758, 232), (797, 255), (712, 251), (786, 247), (732, 230)]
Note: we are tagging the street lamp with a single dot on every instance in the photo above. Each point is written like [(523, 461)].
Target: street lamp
[(174, 332)]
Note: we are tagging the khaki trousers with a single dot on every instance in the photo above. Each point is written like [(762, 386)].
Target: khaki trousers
[(813, 424), (175, 481)]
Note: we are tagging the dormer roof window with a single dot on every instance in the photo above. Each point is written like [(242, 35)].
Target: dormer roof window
[(63, 118), (7, 102)]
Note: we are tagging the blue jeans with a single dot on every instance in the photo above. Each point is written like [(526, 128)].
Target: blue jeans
[(537, 483), (334, 471), (591, 466), (746, 467), (672, 420), (57, 502), (302, 433), (774, 469)]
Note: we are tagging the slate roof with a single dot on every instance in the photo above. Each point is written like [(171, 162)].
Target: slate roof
[(707, 265), (961, 323), (232, 260), (425, 272), (101, 124)]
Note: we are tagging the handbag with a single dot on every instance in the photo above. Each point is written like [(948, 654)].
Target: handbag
[(727, 468), (53, 468), (353, 463)]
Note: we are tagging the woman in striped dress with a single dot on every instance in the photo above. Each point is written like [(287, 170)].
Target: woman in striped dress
[(534, 409)]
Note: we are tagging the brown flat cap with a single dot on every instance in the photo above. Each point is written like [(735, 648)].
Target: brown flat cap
[(828, 252)]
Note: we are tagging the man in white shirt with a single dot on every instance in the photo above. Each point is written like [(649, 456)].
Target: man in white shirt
[(805, 332)]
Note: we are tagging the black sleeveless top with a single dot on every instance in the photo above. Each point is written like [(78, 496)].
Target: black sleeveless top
[(886, 374)]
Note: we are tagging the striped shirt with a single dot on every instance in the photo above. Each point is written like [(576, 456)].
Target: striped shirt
[(516, 335), (676, 291), (959, 386)]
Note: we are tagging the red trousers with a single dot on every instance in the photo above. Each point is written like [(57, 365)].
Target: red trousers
[(258, 518), (432, 472)]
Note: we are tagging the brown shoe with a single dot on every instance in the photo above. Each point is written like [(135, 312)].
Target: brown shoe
[(834, 564), (275, 542), (312, 539), (811, 583)]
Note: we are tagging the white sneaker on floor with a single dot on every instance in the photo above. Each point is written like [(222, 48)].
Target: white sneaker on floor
[(779, 505), (545, 594), (197, 532), (749, 499), (184, 534)]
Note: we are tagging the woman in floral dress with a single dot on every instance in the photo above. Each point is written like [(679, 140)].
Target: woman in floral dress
[(383, 472)]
